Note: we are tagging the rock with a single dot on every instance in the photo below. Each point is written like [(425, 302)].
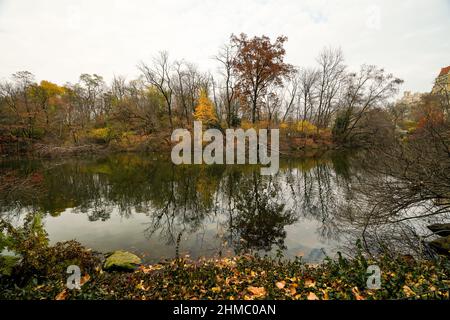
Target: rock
[(7, 264), (122, 261), (441, 245), (442, 230)]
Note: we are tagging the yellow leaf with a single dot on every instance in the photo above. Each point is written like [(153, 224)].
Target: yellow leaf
[(325, 295), (140, 286), (407, 290)]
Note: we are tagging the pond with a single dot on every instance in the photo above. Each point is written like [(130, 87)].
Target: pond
[(147, 205)]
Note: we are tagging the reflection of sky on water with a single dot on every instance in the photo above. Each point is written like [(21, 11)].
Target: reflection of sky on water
[(129, 234)]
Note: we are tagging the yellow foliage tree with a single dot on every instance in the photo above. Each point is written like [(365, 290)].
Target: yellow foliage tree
[(305, 127), (204, 111)]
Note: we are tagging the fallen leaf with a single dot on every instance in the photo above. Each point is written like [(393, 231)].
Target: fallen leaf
[(293, 289), (309, 283), (280, 284), (85, 279), (325, 295), (140, 286), (407, 290), (62, 295), (257, 291), (356, 293), (312, 296)]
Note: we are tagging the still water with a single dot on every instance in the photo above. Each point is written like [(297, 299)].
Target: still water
[(147, 205)]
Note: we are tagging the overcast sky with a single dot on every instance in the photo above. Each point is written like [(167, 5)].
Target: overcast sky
[(58, 40)]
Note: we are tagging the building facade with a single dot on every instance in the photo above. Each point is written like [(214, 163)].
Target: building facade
[(442, 82)]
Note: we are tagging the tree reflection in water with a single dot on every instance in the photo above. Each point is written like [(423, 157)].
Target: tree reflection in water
[(252, 212)]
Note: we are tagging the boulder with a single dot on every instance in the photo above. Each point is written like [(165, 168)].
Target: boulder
[(121, 261), (442, 230), (441, 245)]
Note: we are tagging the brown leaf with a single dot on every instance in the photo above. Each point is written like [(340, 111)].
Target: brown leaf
[(356, 293), (62, 295), (85, 279), (310, 283), (312, 296), (257, 291), (293, 289), (280, 284)]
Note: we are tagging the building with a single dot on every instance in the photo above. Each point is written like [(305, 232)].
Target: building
[(411, 98), (442, 82)]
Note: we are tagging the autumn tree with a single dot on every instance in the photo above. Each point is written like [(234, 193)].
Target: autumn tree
[(205, 110), (258, 64), (45, 95)]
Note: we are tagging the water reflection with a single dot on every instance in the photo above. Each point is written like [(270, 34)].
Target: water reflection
[(146, 204)]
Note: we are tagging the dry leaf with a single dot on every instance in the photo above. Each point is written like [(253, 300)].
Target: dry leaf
[(312, 296), (62, 295), (407, 290), (140, 286), (356, 293), (280, 284), (325, 295), (293, 289), (85, 279), (257, 291), (309, 283)]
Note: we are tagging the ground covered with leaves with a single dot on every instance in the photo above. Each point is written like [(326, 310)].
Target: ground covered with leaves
[(244, 277)]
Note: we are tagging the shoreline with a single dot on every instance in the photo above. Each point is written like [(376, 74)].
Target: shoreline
[(247, 277)]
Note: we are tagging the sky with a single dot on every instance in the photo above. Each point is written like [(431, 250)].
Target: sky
[(57, 40)]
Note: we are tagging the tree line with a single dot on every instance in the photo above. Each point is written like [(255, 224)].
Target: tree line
[(254, 86)]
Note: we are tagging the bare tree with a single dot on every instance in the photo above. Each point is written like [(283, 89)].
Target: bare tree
[(368, 89), (290, 94), (307, 82), (226, 57), (158, 75), (331, 73)]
